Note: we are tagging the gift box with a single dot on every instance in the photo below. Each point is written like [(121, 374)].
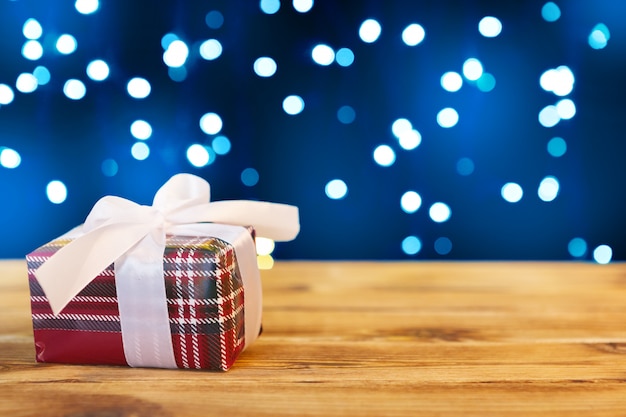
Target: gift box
[(172, 285)]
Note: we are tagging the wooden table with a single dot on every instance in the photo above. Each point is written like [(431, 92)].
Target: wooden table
[(368, 339)]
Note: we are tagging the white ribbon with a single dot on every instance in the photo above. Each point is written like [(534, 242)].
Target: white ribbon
[(133, 237)]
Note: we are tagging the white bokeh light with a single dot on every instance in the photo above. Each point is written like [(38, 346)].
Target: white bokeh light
[(211, 49), (548, 189), (409, 139), (32, 50), (9, 158), (451, 81), (56, 192), (302, 6), (140, 151), (336, 189), (384, 155), (138, 88), (323, 55), (490, 26), (447, 117), (549, 116), (87, 6), (410, 202), (559, 81), (141, 129), (98, 70), (26, 83), (6, 94), (198, 155), (566, 109), (66, 44), (472, 69), (264, 246), (211, 123), (176, 54), (512, 192), (439, 212), (370, 31), (293, 105), (265, 66), (603, 254), (74, 89), (413, 34), (400, 126), (32, 29)]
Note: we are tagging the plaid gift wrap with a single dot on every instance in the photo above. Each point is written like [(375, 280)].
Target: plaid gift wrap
[(205, 297)]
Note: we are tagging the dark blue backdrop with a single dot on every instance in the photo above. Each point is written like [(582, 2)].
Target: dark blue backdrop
[(295, 156)]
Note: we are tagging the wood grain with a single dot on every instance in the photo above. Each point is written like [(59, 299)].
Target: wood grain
[(368, 339)]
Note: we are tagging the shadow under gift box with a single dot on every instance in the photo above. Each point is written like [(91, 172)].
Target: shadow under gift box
[(205, 302)]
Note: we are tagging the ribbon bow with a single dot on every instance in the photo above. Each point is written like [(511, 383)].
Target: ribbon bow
[(116, 225)]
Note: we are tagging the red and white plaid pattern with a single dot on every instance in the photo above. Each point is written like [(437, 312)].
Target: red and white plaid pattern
[(205, 300)]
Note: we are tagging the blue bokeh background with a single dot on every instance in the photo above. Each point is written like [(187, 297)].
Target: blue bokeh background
[(297, 155)]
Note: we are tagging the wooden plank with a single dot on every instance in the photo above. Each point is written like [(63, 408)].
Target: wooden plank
[(368, 339)]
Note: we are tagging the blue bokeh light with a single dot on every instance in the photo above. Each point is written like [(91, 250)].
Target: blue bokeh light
[(109, 167), (346, 115), (443, 246), (599, 36), (465, 166), (214, 19), (344, 57), (42, 74), (550, 12), (577, 247), (411, 245), (221, 145), (269, 6), (557, 147), (250, 177)]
